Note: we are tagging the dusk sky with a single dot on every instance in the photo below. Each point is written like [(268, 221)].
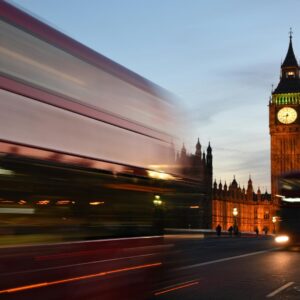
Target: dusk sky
[(219, 57)]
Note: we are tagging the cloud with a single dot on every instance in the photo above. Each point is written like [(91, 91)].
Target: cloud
[(238, 87), (203, 113), (257, 76)]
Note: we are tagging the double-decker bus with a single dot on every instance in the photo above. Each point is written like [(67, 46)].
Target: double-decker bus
[(86, 145), (288, 232)]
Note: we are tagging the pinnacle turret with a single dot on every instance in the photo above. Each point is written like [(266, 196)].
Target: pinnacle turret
[(198, 148)]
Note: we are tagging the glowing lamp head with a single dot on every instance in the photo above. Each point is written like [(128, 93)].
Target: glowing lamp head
[(157, 200), (235, 212)]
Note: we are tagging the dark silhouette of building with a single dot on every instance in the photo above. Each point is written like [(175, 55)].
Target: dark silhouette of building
[(284, 121), (199, 167)]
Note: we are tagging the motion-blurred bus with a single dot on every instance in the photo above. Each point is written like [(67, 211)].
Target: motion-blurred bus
[(86, 145), (289, 213)]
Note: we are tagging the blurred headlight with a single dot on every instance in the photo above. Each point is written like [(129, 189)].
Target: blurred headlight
[(281, 239)]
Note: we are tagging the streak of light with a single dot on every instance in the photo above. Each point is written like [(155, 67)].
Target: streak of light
[(76, 265), (63, 202), (11, 210), (36, 64), (96, 203), (43, 202), (72, 279), (176, 287), (291, 199), (6, 172), (159, 175), (136, 187), (282, 239), (151, 237)]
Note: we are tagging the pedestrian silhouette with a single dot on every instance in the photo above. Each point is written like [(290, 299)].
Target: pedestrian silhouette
[(218, 230), (230, 229)]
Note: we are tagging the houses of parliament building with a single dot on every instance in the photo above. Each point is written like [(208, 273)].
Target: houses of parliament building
[(245, 207), (218, 202)]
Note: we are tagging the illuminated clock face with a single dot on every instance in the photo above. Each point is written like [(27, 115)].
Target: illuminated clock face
[(287, 115)]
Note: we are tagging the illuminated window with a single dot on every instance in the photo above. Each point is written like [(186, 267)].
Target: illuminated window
[(94, 203), (266, 215)]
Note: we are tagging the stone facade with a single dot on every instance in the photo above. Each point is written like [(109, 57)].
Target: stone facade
[(255, 210)]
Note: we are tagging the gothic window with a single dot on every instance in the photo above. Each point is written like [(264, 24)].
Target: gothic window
[(255, 212)]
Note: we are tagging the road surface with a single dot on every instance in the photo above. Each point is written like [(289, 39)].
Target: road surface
[(176, 267)]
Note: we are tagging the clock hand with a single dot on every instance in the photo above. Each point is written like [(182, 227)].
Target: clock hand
[(286, 117)]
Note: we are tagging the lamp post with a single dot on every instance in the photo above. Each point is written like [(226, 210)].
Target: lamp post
[(158, 215), (235, 213), (274, 220)]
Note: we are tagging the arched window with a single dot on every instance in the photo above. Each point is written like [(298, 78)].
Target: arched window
[(266, 215)]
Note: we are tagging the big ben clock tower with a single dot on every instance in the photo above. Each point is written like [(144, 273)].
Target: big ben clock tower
[(284, 121)]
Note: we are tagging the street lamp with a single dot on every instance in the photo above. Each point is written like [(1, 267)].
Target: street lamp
[(235, 213), (157, 201), (158, 220), (274, 220)]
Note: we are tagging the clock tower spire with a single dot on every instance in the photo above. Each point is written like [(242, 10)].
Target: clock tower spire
[(284, 115), (289, 79)]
